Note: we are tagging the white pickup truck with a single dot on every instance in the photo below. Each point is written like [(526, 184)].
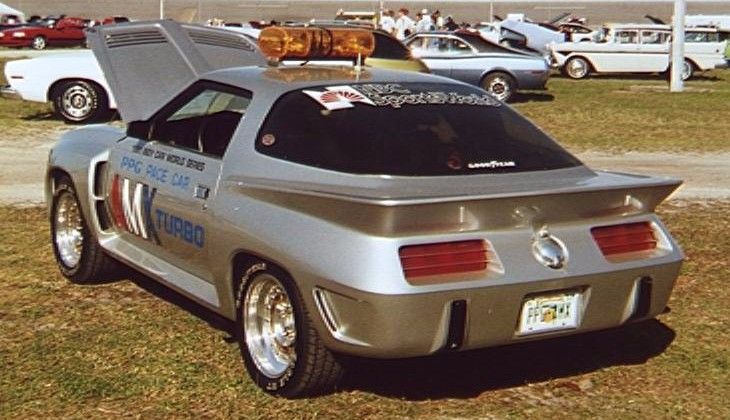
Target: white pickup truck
[(639, 48)]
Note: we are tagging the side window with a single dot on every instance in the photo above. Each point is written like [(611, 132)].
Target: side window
[(203, 123), (626, 37), (459, 47), (654, 37), (427, 44)]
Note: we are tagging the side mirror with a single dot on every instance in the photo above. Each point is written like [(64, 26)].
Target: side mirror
[(139, 129)]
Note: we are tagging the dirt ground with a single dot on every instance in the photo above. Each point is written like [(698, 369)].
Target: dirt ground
[(706, 176)]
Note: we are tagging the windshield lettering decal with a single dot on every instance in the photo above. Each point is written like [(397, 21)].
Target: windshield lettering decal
[(393, 95)]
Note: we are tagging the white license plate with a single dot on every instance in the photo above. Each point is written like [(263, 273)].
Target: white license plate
[(550, 313)]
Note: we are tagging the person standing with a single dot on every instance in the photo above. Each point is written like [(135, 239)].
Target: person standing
[(387, 23), (450, 25), (425, 23), (404, 26)]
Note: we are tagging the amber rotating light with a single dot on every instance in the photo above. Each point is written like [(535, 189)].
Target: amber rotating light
[(308, 43)]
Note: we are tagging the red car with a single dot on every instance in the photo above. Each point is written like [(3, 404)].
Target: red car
[(68, 31)]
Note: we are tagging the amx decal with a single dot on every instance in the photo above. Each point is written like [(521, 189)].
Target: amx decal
[(131, 207)]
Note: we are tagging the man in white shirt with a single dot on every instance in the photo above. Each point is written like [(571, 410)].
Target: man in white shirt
[(387, 23), (426, 23), (404, 26)]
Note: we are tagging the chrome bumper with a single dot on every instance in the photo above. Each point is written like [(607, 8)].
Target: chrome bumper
[(397, 326), (8, 92)]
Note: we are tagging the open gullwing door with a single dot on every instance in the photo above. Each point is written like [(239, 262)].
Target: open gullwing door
[(147, 64)]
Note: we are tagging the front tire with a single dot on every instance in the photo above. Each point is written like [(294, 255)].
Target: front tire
[(281, 349), (501, 85), (577, 68), (79, 101), (39, 43), (78, 253)]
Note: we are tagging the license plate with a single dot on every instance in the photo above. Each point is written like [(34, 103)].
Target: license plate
[(550, 313)]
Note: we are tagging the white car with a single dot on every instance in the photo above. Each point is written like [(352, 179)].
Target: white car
[(638, 48), (73, 82)]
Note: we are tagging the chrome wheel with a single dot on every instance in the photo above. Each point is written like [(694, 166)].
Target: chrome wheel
[(577, 68), (77, 102), (687, 70), (39, 43), (500, 87), (269, 326), (68, 230)]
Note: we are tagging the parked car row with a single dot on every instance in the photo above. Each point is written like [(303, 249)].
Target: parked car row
[(79, 92), (52, 31), (484, 57)]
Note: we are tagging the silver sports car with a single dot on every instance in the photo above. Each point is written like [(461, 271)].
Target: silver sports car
[(466, 56), (333, 211)]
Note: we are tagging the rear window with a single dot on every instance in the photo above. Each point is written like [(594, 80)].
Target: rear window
[(408, 129)]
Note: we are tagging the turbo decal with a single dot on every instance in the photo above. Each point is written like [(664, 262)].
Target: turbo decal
[(179, 228)]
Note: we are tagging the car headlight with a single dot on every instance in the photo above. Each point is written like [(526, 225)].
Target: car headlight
[(18, 34), (2, 34)]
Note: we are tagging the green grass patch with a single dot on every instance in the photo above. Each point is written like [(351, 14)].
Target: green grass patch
[(114, 350), (636, 114)]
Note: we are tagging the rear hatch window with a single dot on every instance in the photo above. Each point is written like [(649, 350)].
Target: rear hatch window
[(406, 129)]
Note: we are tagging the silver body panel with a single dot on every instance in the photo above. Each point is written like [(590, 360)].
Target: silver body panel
[(338, 234)]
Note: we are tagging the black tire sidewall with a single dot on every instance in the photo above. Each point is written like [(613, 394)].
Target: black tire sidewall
[(288, 383), (99, 106)]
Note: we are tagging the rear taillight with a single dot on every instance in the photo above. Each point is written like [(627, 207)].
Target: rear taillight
[(420, 261), (624, 239)]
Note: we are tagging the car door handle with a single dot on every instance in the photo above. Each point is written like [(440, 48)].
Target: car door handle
[(202, 192)]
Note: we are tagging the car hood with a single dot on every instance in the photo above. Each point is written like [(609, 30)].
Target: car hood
[(147, 64)]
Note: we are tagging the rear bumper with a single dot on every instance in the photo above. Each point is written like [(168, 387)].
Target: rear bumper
[(8, 92), (395, 326)]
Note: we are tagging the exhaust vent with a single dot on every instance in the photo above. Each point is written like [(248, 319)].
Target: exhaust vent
[(128, 39), (219, 40)]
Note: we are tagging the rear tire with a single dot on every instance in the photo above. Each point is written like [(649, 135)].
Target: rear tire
[(501, 85), (79, 101), (688, 70), (78, 253), (281, 349), (577, 68)]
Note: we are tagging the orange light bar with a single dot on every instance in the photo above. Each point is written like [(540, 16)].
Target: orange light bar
[(307, 43)]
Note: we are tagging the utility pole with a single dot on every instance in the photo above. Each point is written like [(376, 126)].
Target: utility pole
[(677, 56)]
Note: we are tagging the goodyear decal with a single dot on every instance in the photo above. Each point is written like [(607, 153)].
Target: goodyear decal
[(132, 208)]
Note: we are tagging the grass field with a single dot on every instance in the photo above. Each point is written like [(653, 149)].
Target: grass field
[(115, 350), (599, 114)]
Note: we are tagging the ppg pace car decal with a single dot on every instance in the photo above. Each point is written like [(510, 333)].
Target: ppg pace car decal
[(133, 210), (393, 95)]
